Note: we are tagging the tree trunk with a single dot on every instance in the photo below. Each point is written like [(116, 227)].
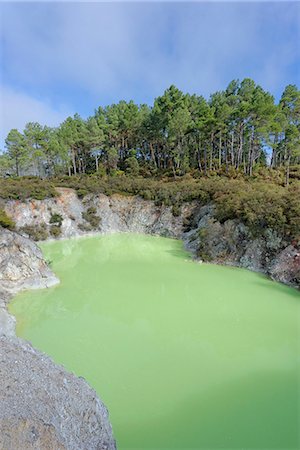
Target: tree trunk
[(205, 160), (232, 151), (240, 151), (220, 151), (17, 167), (287, 169), (226, 157), (152, 154), (74, 162)]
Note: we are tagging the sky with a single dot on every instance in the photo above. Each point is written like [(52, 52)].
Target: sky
[(59, 58)]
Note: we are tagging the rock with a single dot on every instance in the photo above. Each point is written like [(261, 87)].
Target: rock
[(252, 258), (118, 213), (7, 323), (229, 243), (22, 265), (44, 407), (286, 266), (232, 243)]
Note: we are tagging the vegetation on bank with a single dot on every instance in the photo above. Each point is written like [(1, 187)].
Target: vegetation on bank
[(239, 129), (22, 188), (261, 201)]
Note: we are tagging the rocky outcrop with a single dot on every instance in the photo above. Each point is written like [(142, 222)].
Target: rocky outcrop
[(117, 213), (22, 264), (232, 243), (42, 406), (208, 239), (285, 267)]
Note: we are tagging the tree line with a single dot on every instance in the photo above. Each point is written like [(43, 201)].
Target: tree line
[(235, 129)]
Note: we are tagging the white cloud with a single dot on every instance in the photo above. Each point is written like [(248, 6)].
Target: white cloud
[(18, 108), (119, 48), (111, 51)]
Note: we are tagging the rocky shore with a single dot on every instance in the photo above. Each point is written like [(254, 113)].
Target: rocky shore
[(42, 405)]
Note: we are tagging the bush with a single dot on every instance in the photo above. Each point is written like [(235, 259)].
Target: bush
[(81, 193), (84, 226), (260, 201), (176, 210), (36, 232), (26, 187), (5, 221), (55, 230), (56, 219), (91, 217)]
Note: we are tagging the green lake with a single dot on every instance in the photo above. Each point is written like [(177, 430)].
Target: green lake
[(184, 355)]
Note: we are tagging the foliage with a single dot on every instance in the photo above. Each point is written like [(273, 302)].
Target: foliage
[(239, 149), (179, 134), (91, 217), (56, 219), (5, 221), (36, 232), (260, 201), (24, 188), (55, 230)]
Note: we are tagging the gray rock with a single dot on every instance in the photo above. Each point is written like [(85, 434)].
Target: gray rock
[(41, 405), (285, 267), (221, 243), (118, 213), (22, 264), (45, 407), (252, 259)]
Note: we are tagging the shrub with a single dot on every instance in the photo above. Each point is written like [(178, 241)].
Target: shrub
[(5, 221), (91, 217), (176, 210), (84, 226), (260, 201), (81, 193), (56, 219), (26, 187), (55, 230), (36, 232)]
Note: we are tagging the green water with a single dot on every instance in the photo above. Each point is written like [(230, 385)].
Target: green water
[(184, 355)]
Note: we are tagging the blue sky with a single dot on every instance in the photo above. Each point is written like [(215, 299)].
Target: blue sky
[(64, 57)]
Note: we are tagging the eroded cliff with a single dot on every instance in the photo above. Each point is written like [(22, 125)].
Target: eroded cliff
[(230, 242)]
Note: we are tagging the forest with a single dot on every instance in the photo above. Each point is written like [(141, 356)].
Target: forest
[(239, 130)]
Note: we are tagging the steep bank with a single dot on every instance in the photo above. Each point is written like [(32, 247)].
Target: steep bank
[(230, 242), (42, 405), (116, 213)]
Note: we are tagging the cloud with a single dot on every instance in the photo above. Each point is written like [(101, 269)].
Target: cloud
[(117, 47), (87, 54), (18, 108)]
